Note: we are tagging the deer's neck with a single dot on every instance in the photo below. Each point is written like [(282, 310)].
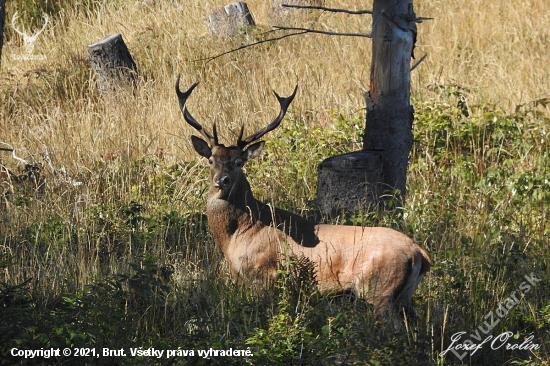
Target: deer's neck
[(238, 213), (229, 211)]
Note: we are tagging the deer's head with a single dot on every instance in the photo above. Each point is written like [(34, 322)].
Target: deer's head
[(226, 162)]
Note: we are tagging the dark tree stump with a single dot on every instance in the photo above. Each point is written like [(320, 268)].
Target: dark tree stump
[(349, 182), (112, 62), (231, 20)]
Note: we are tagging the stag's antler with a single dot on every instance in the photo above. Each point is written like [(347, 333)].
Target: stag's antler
[(284, 102), (189, 118)]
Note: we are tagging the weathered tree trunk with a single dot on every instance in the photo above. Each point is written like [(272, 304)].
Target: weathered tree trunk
[(356, 181), (112, 62), (389, 112), (2, 22)]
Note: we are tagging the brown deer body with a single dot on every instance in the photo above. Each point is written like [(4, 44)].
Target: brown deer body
[(379, 264)]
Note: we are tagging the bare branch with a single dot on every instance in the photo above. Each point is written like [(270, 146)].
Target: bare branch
[(300, 31), (421, 19), (419, 61), (306, 30), (208, 59), (328, 9), (4, 149)]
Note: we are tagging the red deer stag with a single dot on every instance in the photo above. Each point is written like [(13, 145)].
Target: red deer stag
[(379, 264)]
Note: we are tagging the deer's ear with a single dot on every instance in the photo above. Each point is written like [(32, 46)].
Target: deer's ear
[(253, 150), (201, 147)]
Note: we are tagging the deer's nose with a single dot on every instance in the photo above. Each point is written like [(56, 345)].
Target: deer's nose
[(221, 181)]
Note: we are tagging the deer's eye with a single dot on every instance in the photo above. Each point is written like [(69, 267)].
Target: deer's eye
[(210, 161), (239, 163)]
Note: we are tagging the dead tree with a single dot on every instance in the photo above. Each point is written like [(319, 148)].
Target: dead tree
[(390, 116), (371, 178)]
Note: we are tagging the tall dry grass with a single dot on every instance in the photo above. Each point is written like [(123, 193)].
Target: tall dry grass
[(52, 108), (498, 50)]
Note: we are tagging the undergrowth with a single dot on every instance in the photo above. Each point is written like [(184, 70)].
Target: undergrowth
[(137, 266)]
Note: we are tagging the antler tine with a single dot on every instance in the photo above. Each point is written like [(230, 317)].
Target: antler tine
[(240, 134), (215, 134), (284, 102), (182, 97)]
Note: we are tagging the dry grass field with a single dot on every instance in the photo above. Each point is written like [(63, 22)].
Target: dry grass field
[(497, 50), (479, 192)]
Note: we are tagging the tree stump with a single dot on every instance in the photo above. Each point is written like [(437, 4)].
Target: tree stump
[(290, 16), (231, 20), (349, 182), (112, 62)]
